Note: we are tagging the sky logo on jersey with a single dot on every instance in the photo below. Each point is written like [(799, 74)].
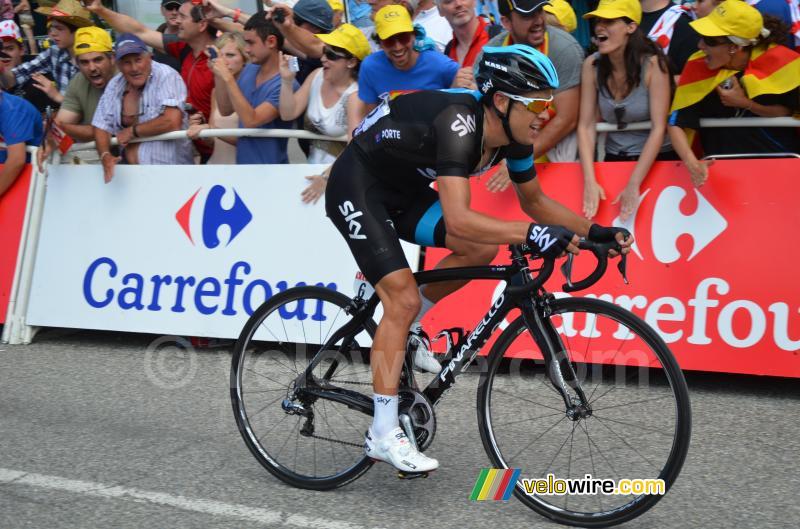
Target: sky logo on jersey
[(214, 216), (463, 125)]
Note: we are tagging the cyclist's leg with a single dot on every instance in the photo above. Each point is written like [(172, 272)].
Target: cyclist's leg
[(357, 204), (423, 223)]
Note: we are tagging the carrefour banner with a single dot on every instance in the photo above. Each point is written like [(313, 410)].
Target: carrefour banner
[(189, 250), (12, 214), (714, 269)]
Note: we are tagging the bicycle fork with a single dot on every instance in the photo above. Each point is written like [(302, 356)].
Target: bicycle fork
[(558, 367)]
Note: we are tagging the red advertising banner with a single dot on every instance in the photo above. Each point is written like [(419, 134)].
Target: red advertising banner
[(713, 268), (12, 213)]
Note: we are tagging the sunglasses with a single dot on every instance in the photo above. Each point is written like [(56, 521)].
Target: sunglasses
[(332, 55), (533, 104), (714, 41), (400, 38)]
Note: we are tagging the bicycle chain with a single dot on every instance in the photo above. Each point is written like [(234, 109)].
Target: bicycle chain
[(346, 443)]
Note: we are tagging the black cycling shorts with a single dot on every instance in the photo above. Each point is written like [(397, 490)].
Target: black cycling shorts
[(373, 216)]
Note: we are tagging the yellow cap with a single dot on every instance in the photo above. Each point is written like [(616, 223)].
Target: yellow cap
[(564, 13), (348, 37), (732, 17), (92, 39), (336, 5), (391, 20), (611, 9)]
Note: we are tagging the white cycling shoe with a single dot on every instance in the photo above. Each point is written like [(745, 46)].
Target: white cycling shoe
[(396, 449), (423, 357)]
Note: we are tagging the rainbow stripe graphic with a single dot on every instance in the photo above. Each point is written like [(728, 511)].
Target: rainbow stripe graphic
[(494, 484)]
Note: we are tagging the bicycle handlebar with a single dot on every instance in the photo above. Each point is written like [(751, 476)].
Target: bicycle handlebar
[(600, 251)]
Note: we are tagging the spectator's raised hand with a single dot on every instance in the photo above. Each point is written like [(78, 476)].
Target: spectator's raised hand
[(194, 130), (213, 9), (45, 85), (733, 96), (196, 118), (283, 66), (109, 162), (499, 181), (221, 70), (465, 79), (92, 5), (125, 136), (699, 171), (628, 200), (316, 189), (282, 15), (593, 193)]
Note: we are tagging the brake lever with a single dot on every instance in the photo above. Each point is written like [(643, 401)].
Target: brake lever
[(622, 266), (566, 269)]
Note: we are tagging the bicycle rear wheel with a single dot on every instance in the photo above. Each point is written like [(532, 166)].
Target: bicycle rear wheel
[(638, 428), (306, 442)]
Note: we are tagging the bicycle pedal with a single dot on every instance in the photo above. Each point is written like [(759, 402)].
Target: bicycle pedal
[(411, 475)]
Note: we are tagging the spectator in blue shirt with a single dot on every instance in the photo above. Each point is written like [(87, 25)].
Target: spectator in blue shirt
[(20, 124), (398, 66), (255, 96)]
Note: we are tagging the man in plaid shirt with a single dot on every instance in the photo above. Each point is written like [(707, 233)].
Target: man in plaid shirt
[(65, 18)]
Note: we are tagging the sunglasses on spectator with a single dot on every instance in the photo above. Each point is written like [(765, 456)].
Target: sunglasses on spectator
[(333, 55), (714, 41), (537, 8), (402, 38), (533, 104)]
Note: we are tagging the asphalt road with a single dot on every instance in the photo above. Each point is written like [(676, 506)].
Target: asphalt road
[(94, 432)]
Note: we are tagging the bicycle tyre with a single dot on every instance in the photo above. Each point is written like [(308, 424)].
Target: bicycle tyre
[(248, 358), (563, 317)]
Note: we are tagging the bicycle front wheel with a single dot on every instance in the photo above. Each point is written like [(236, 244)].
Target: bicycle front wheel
[(306, 442), (638, 427)]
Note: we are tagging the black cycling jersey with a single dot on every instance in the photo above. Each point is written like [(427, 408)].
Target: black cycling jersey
[(379, 190), (415, 137)]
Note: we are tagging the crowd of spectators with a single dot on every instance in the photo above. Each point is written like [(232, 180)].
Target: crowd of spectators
[(299, 66)]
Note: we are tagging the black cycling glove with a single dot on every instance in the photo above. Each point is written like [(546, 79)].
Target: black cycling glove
[(549, 241), (598, 233)]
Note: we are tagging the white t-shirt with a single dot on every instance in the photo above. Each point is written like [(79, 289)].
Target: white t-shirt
[(436, 27), (328, 121)]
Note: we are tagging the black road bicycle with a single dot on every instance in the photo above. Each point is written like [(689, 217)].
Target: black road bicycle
[(594, 391)]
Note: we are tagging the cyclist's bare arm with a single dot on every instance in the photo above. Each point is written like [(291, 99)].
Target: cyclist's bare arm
[(125, 24), (463, 222), (545, 210)]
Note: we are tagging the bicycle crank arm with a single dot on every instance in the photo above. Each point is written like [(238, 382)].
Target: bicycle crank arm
[(405, 422)]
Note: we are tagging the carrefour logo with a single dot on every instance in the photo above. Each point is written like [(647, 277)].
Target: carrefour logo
[(669, 223), (207, 215)]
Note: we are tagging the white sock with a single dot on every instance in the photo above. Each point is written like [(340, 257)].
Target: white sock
[(426, 306), (385, 418)]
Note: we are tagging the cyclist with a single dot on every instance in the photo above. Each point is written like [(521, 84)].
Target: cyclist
[(379, 192)]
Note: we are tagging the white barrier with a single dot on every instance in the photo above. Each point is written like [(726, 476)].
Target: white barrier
[(188, 250)]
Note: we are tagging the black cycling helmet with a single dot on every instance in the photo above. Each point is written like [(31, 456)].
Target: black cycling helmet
[(515, 69)]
